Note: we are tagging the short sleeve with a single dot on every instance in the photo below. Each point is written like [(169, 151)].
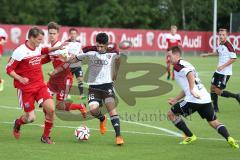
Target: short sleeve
[(232, 55), (18, 54), (186, 70)]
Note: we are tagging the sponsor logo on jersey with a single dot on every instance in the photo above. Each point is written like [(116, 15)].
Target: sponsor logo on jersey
[(35, 61), (99, 62)]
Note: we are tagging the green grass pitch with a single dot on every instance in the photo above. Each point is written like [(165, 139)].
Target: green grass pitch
[(144, 139)]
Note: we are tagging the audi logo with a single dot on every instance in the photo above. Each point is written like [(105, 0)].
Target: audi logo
[(234, 39), (99, 62)]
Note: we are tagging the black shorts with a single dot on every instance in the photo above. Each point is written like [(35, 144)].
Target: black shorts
[(220, 80), (98, 93), (77, 71), (187, 108)]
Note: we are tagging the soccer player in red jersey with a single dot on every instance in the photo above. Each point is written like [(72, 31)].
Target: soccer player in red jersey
[(173, 39), (25, 67), (3, 40), (60, 83)]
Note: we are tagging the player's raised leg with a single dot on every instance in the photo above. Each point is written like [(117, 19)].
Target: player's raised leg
[(95, 112), (62, 94)]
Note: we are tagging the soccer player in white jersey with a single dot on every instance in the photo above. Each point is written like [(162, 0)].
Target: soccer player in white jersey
[(193, 97), (227, 57), (172, 39), (74, 48), (103, 68)]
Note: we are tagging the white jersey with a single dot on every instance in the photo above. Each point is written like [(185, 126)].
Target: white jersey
[(100, 66), (225, 52), (74, 48), (181, 69)]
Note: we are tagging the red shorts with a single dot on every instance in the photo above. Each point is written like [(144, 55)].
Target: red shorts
[(27, 99), (61, 89)]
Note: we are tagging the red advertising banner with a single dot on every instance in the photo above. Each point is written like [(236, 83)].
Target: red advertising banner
[(143, 40)]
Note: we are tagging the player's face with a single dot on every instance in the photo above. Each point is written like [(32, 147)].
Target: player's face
[(174, 57), (173, 30), (223, 36), (102, 48), (36, 41), (53, 35), (73, 35)]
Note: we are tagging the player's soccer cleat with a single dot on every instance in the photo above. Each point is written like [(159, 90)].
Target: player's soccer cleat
[(103, 129), (232, 142), (83, 111), (189, 140), (119, 140), (47, 140), (16, 130), (238, 98), (1, 85)]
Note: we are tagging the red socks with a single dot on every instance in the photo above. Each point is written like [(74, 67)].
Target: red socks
[(20, 121), (72, 106), (47, 129)]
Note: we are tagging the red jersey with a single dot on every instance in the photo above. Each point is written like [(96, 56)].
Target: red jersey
[(2, 37), (1, 49), (26, 62), (60, 78), (173, 40)]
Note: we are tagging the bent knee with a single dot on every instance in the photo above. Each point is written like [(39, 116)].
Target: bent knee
[(31, 118), (170, 115)]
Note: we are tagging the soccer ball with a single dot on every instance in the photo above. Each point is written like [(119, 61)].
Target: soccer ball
[(82, 133)]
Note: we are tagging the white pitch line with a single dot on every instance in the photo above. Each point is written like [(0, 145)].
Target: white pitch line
[(130, 132), (95, 129), (170, 133), (155, 127), (130, 122)]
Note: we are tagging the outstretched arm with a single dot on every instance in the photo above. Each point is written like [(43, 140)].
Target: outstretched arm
[(229, 62), (208, 54), (59, 69)]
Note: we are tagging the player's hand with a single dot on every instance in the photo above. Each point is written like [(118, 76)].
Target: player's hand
[(23, 80), (195, 94), (172, 101), (220, 68)]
